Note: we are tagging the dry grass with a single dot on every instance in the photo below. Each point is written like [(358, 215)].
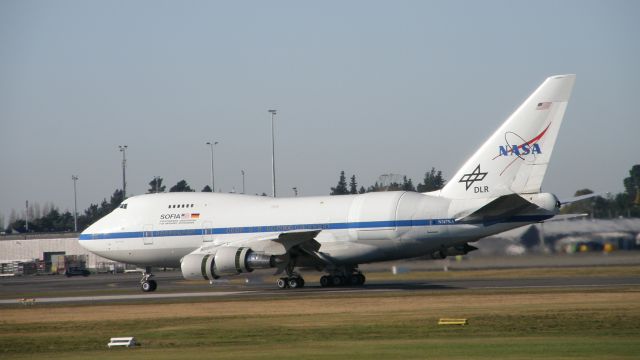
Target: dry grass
[(474, 304)]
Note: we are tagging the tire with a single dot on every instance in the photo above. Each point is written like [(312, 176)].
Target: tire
[(293, 282), (281, 283), (361, 279), (301, 282), (354, 279), (146, 286), (325, 281), (337, 280), (154, 285)]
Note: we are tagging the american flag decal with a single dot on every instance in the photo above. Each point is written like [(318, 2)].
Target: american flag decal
[(543, 106)]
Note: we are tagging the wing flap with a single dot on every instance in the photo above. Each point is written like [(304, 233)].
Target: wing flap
[(281, 243)]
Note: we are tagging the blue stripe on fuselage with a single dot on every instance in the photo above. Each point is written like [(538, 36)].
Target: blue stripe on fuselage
[(284, 228), (268, 228)]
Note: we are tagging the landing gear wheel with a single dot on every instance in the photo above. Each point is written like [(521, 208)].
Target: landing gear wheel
[(337, 280), (359, 279), (325, 281), (294, 282), (148, 286), (282, 283), (354, 279)]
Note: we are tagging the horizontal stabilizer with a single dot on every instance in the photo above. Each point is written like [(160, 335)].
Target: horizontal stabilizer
[(500, 208), (579, 198), (564, 217)]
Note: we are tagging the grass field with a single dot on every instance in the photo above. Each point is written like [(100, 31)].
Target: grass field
[(504, 324)]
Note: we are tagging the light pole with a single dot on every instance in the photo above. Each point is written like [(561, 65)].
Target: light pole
[(213, 181), (75, 204), (123, 150), (26, 216), (242, 171), (273, 155)]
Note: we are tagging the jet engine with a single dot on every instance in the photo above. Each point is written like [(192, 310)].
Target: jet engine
[(224, 261)]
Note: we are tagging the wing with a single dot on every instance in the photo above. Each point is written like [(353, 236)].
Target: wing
[(282, 243)]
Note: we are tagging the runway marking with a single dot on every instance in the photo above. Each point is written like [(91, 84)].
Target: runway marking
[(130, 297), (550, 286), (273, 292)]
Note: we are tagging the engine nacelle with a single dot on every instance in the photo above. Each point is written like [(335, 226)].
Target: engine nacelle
[(225, 261)]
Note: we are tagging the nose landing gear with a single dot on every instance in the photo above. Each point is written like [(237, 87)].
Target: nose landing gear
[(146, 283)]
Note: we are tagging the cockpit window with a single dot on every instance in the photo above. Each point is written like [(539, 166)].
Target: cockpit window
[(123, 206)]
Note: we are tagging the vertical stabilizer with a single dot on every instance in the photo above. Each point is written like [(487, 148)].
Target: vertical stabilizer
[(515, 158)]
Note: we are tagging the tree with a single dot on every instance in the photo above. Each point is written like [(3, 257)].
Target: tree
[(433, 181), (155, 186), (362, 190), (116, 199), (375, 187), (181, 186), (207, 188), (632, 184), (407, 185), (353, 185), (341, 188)]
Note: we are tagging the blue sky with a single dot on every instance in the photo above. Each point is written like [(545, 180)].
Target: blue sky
[(369, 87)]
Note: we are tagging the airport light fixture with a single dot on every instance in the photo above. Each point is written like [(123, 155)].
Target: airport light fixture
[(213, 181), (75, 204), (273, 155), (123, 150)]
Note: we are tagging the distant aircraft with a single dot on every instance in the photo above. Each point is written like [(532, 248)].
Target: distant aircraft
[(213, 235)]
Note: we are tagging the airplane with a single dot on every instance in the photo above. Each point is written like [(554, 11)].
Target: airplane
[(214, 235)]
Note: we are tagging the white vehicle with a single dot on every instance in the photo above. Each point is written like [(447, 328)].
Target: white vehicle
[(211, 235)]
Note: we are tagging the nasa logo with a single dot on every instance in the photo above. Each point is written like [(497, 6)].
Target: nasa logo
[(524, 149)]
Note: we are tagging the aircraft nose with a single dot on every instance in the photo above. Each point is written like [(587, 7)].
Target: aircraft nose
[(87, 237)]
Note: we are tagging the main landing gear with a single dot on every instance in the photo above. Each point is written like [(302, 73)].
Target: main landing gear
[(293, 282), (146, 283), (351, 277), (339, 280)]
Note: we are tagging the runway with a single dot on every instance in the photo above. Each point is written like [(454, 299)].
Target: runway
[(107, 288)]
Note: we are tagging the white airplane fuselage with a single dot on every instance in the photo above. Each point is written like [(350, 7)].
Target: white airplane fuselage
[(210, 235), (160, 229)]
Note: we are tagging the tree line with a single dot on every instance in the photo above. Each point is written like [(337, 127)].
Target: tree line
[(51, 219), (433, 180)]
